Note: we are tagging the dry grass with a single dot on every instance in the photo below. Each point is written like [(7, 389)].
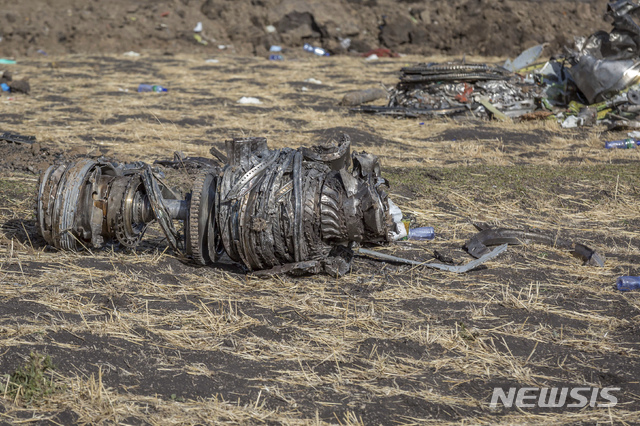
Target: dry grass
[(146, 338)]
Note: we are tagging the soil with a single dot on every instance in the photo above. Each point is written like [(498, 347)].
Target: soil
[(170, 342), (456, 27)]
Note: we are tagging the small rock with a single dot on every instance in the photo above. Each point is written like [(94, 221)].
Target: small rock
[(35, 149)]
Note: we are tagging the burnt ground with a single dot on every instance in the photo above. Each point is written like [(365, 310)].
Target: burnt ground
[(146, 337)]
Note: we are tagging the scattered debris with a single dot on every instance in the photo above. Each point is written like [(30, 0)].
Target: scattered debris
[(312, 81), (212, 61), (319, 51), (4, 61), (423, 233), (151, 88), (571, 122), (451, 268), (624, 144), (199, 39), (286, 210), (270, 29), (198, 28), (627, 283), (131, 54), (275, 53), (477, 245), (497, 114), (525, 59), (380, 53), (248, 100), (536, 115)]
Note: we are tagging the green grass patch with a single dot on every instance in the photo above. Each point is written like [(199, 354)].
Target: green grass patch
[(32, 382)]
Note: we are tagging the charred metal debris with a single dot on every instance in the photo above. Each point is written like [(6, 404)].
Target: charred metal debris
[(596, 81), (288, 210), (478, 245)]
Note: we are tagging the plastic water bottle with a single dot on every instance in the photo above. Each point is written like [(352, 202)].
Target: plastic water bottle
[(424, 233), (627, 283), (624, 144), (315, 50), (151, 88)]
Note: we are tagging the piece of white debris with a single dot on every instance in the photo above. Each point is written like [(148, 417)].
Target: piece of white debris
[(571, 122), (198, 28), (131, 54), (270, 29), (246, 100), (312, 81), (371, 57), (212, 61)]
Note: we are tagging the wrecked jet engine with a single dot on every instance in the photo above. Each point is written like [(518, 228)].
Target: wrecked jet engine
[(286, 210)]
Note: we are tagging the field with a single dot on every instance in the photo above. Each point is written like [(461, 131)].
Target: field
[(147, 338)]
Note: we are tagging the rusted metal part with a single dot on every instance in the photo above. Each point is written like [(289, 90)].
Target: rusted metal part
[(458, 269), (275, 210), (477, 246)]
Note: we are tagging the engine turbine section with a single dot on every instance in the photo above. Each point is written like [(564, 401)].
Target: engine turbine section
[(286, 210)]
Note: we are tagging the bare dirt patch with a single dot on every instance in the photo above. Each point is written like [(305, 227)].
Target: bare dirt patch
[(493, 27)]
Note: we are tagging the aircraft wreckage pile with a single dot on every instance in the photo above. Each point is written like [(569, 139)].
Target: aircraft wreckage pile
[(596, 81)]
